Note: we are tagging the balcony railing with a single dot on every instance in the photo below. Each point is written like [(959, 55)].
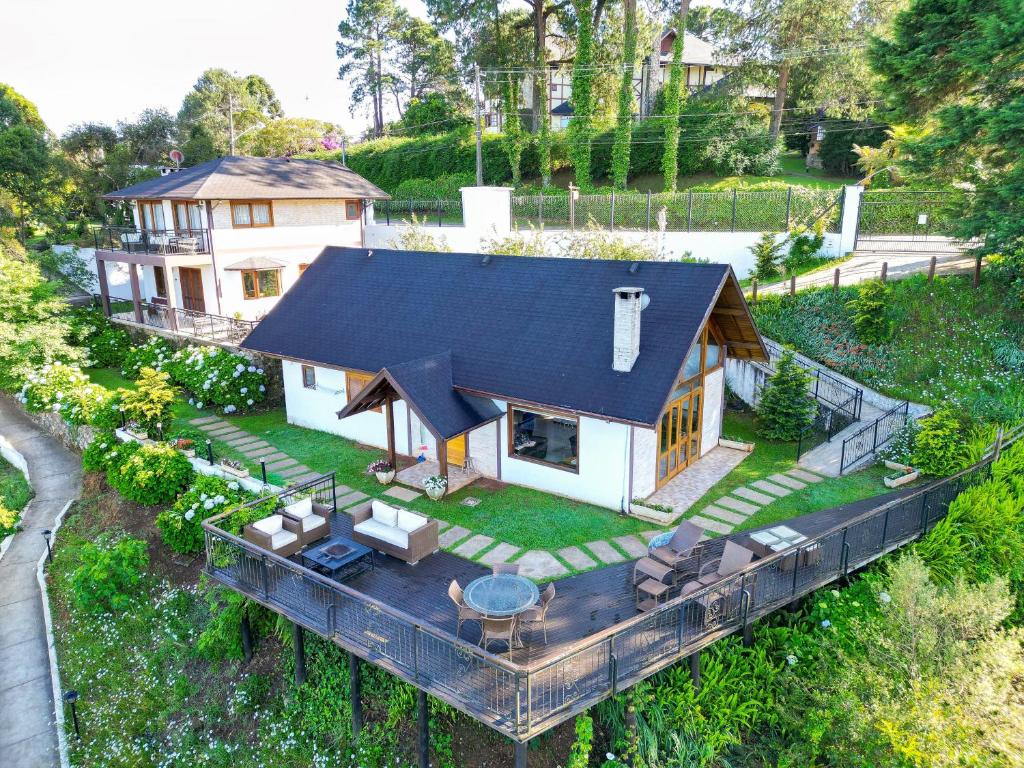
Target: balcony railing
[(185, 322), (168, 242), (524, 700)]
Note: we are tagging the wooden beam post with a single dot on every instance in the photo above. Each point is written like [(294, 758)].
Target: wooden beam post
[(792, 285), (101, 276), (885, 271), (931, 268), (835, 280), (133, 278), (299, 642), (389, 417), (977, 271), (753, 289), (355, 695), (520, 754), (246, 631), (695, 669), (423, 740), (748, 635), (442, 457)]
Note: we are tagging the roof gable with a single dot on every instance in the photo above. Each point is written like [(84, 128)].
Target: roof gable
[(528, 329)]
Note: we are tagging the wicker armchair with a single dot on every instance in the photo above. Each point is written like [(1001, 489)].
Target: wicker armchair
[(312, 518), (465, 613), (734, 558), (277, 534)]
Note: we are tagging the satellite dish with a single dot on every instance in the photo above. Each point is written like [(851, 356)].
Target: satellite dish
[(645, 299), (177, 157)]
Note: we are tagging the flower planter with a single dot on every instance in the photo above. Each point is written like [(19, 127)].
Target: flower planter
[(189, 452), (138, 434), (897, 465), (900, 478), (737, 444), (385, 477), (243, 472), (435, 492)]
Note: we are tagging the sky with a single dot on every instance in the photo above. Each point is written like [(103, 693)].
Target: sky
[(107, 60)]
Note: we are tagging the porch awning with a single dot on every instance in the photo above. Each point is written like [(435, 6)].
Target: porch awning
[(256, 262), (426, 387)]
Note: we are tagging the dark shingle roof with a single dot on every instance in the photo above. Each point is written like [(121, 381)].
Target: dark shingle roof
[(255, 178), (565, 108), (537, 330)]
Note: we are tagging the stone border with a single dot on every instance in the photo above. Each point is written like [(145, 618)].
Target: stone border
[(51, 648)]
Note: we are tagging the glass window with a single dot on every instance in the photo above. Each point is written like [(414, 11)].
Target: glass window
[(352, 209), (160, 280), (261, 283), (713, 357), (240, 215), (354, 384), (692, 365), (545, 438), (256, 214), (151, 214), (261, 214), (187, 217), (309, 377)]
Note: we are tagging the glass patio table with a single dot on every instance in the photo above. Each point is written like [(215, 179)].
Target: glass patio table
[(498, 596)]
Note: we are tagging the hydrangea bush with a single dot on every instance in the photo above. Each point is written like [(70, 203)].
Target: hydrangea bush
[(219, 378), (153, 474), (107, 344), (181, 525), (66, 390), (155, 353)]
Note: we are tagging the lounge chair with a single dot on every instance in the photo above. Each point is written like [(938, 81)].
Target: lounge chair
[(734, 558), (311, 517), (503, 630), (539, 612), (507, 569), (465, 613), (683, 551), (277, 534)]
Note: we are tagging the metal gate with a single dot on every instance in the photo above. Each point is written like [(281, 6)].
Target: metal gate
[(910, 221)]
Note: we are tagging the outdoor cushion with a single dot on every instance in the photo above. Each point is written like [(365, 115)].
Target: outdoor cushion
[(300, 509), (309, 522), (384, 514), (282, 539), (269, 525), (381, 532), (410, 521)]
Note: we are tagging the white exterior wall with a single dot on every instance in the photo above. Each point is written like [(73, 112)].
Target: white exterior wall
[(483, 449), (645, 460), (711, 410)]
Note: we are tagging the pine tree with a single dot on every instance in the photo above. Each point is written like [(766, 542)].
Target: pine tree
[(785, 409), (869, 312), (766, 256)]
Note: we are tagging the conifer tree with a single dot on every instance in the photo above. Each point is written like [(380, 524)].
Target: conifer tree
[(785, 408)]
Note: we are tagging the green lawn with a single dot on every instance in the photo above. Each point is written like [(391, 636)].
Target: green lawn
[(15, 493), (821, 264)]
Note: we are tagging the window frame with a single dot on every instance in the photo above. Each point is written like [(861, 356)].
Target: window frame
[(366, 378), (153, 206), (160, 281), (510, 435), (252, 220), (359, 210), (310, 382), (256, 283)]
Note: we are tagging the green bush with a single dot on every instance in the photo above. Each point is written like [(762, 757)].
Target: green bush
[(804, 247), (221, 638), (181, 525), (939, 448), (214, 376), (766, 253), (108, 572), (107, 344), (155, 353), (153, 474), (66, 390), (837, 155), (150, 404), (445, 187), (869, 311), (105, 451), (785, 409)]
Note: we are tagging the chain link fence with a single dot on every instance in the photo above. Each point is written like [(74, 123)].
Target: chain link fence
[(436, 213)]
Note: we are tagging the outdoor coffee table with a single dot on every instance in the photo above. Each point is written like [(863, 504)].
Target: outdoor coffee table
[(501, 595), (777, 539), (339, 557)]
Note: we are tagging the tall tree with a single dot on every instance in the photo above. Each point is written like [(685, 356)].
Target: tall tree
[(581, 128), (624, 118), (423, 62), (955, 66), (224, 106), (368, 34), (512, 130), (674, 97), (27, 165)]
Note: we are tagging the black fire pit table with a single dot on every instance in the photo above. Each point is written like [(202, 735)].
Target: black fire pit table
[(339, 557)]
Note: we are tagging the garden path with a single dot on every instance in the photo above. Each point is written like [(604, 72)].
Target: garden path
[(28, 738)]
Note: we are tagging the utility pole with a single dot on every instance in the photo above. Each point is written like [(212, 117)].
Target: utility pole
[(343, 160), (231, 122), (479, 151)]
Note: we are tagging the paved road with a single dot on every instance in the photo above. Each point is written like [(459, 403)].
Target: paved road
[(27, 737)]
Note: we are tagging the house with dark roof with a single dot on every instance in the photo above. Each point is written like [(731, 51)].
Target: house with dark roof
[(596, 380), (228, 237)]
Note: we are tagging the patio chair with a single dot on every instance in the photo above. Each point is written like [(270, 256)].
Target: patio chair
[(465, 613), (538, 613), (311, 517), (683, 551), (507, 569), (132, 241), (186, 245), (734, 558), (277, 534), (502, 630)]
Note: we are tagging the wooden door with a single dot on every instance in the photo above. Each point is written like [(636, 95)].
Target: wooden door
[(192, 289), (457, 451), (679, 436)]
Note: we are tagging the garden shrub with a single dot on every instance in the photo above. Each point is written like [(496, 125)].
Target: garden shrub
[(804, 247), (109, 570), (939, 446), (869, 312), (66, 390), (221, 638), (107, 344), (156, 353), (8, 520), (785, 409), (181, 525), (900, 447), (766, 253), (214, 376), (150, 403), (105, 451), (154, 474), (444, 187)]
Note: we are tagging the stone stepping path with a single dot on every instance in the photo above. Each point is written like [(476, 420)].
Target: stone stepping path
[(632, 546), (295, 471), (745, 508), (473, 545), (803, 474), (605, 552), (755, 496), (402, 494), (350, 498), (712, 525), (453, 536), (281, 464), (577, 558), (788, 482), (540, 564), (499, 554), (724, 514), (772, 488)]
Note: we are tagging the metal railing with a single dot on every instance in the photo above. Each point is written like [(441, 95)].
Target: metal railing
[(873, 436), (828, 422), (432, 213), (185, 322), (168, 242), (835, 393), (523, 700)]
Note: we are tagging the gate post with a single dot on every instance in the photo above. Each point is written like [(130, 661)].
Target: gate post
[(850, 217)]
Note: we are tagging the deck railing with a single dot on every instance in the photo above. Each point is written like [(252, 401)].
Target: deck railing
[(523, 700), (873, 436), (835, 393), (168, 242), (185, 322)]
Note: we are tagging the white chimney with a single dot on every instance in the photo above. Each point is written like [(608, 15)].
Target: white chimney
[(626, 331)]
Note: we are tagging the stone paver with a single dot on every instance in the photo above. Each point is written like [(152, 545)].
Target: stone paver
[(441, 525), (243, 442), (452, 536), (772, 488), (632, 546), (538, 564), (254, 450), (206, 420), (350, 498), (723, 514), (755, 496), (299, 479), (500, 554), (28, 738), (298, 469), (227, 432), (577, 558), (648, 535), (787, 481), (281, 464), (711, 525), (745, 508), (472, 545), (402, 494), (685, 489), (803, 474), (270, 458), (605, 552)]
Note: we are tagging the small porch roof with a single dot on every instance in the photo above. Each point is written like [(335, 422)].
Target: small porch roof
[(256, 262), (426, 387)]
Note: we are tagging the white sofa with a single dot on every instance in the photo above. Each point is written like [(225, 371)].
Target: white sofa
[(398, 532)]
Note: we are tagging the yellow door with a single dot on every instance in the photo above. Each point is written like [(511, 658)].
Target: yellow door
[(457, 451)]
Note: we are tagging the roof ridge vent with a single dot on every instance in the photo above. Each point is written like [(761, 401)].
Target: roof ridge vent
[(634, 267)]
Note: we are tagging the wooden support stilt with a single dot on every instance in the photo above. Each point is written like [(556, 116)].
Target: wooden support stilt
[(355, 695), (977, 271), (885, 271), (792, 285), (753, 290), (931, 268), (520, 754), (748, 634), (423, 741), (246, 638), (835, 280), (299, 642), (695, 669), (389, 417)]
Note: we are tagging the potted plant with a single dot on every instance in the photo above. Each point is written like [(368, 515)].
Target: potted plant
[(904, 474), (185, 446), (435, 486), (234, 467), (136, 430), (383, 469)]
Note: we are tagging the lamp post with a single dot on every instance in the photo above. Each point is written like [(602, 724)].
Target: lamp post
[(71, 697), (47, 533)]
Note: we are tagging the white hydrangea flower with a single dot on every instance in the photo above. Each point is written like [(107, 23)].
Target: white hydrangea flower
[(233, 485), (189, 515), (208, 504)]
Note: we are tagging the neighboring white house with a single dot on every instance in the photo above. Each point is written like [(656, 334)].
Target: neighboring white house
[(596, 380), (229, 237)]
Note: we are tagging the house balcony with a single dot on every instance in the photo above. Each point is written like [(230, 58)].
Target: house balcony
[(175, 320), (159, 242)]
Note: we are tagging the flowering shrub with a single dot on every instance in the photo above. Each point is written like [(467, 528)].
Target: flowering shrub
[(107, 344), (105, 452), (110, 568), (380, 465), (155, 353), (149, 404), (181, 525), (64, 389), (217, 377), (153, 474)]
